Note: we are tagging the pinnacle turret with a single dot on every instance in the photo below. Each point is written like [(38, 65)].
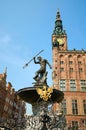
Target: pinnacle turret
[(58, 16), (58, 25)]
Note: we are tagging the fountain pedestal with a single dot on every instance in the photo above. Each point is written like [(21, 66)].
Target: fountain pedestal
[(40, 98)]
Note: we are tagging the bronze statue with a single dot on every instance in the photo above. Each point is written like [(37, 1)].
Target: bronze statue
[(41, 74)]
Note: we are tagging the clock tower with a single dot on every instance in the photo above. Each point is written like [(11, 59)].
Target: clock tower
[(59, 37), (69, 76)]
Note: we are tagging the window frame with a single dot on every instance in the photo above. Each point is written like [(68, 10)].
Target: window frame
[(74, 107), (72, 85), (62, 84)]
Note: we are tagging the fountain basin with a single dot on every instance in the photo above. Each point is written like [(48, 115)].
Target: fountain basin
[(31, 96)]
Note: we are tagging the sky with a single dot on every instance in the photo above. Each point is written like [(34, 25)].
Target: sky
[(26, 28)]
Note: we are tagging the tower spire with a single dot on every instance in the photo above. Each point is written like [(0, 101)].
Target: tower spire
[(59, 36), (58, 25), (58, 15)]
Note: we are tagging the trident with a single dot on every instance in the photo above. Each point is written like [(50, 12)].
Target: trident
[(32, 59)]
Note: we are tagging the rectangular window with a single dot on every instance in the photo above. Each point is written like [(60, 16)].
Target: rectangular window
[(56, 68), (79, 62), (72, 85), (70, 62), (74, 107), (62, 85), (61, 69), (80, 70), (83, 85), (74, 125), (71, 70), (84, 106), (61, 62), (64, 106)]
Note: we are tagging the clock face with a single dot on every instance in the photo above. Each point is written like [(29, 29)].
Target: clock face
[(60, 41)]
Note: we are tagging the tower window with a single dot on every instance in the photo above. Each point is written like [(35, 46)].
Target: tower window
[(84, 106), (64, 106), (61, 69), (74, 125), (80, 69), (74, 107), (83, 85), (70, 62), (71, 69), (72, 85), (61, 62), (56, 68), (79, 62), (62, 85)]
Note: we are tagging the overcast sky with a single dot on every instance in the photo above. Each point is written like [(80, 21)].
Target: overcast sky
[(26, 27)]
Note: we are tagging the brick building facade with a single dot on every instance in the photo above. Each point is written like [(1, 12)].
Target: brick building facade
[(12, 108), (2, 93), (69, 76)]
